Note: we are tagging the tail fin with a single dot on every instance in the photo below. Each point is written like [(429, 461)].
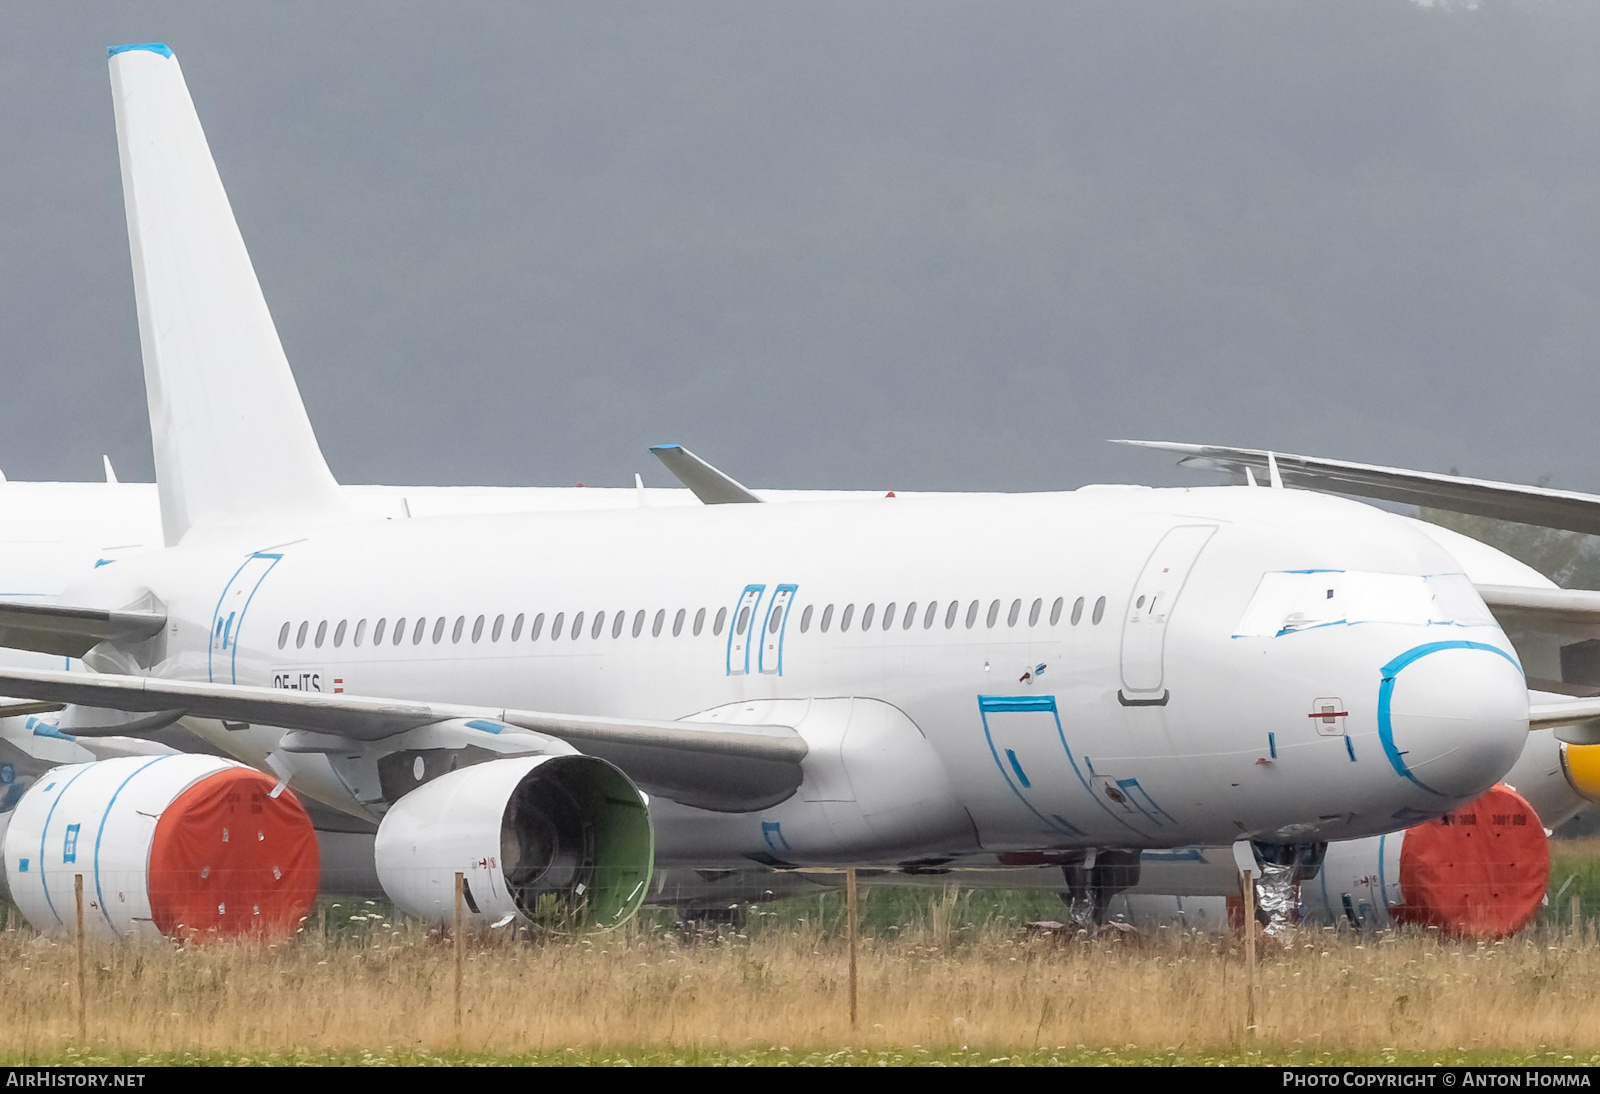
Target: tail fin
[(233, 445)]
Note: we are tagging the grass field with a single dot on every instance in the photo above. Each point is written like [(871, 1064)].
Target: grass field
[(945, 978)]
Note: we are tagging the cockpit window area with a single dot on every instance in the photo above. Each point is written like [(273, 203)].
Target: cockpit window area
[(1288, 602)]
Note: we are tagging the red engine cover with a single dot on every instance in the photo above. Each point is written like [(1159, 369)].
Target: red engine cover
[(229, 859), (1479, 872)]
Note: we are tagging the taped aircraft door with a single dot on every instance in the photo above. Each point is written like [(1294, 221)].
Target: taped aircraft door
[(221, 666), (1029, 748), (770, 660), (740, 627), (1155, 594)]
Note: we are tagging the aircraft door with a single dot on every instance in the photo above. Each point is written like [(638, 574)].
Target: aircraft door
[(226, 621), (1030, 749), (770, 659), (740, 627), (1144, 628)]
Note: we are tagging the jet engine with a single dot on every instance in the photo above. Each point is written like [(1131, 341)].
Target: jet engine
[(560, 841), (178, 845)]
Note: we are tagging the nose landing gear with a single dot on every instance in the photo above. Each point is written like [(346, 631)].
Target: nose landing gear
[(1093, 880)]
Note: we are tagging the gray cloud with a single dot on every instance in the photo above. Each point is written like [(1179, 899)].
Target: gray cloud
[(890, 245)]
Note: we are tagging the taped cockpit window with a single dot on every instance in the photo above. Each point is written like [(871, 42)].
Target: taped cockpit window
[(1288, 602)]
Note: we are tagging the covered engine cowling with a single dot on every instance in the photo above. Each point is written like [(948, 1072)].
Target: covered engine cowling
[(1478, 872), (179, 845), (562, 841)]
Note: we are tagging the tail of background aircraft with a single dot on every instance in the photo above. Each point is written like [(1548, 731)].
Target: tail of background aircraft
[(232, 440)]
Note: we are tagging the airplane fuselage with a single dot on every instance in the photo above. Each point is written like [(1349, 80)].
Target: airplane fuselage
[(1005, 672)]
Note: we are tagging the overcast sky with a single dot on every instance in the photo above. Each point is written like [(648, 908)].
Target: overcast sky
[(879, 245)]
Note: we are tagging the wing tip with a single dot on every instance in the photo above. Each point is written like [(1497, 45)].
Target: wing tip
[(149, 47)]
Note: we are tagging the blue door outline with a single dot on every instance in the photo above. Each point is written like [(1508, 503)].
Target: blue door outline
[(782, 597), (739, 664), (227, 622), (1012, 771)]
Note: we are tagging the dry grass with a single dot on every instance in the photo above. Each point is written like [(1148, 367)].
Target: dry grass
[(785, 986)]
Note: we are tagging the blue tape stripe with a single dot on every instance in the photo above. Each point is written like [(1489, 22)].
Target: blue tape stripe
[(1386, 699), (100, 835), (150, 47)]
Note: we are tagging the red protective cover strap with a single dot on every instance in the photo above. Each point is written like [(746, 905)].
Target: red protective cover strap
[(229, 859)]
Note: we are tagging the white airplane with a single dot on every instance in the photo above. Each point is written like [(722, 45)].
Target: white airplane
[(905, 682)]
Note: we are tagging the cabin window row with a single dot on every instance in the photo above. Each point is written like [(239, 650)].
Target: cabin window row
[(952, 613), (617, 622), (560, 626)]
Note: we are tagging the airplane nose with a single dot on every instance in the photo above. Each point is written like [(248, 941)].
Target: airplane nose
[(1453, 716)]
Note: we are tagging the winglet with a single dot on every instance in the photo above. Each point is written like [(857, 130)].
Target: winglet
[(150, 47), (708, 484), (232, 441)]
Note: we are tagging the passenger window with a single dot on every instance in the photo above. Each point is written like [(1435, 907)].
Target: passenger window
[(399, 629), (455, 632), (1077, 610), (377, 632), (300, 636), (599, 624), (499, 625), (1033, 613), (805, 618), (1016, 610), (699, 622), (844, 618), (417, 631), (994, 613), (972, 614), (950, 614), (866, 616), (536, 628), (1055, 611), (361, 632), (776, 621), (516, 627), (722, 617), (658, 622), (910, 617), (283, 636), (338, 634), (1099, 610), (618, 621), (827, 617), (927, 619), (638, 622), (477, 628), (322, 633), (677, 621), (577, 627), (438, 630), (888, 615), (557, 626), (744, 621)]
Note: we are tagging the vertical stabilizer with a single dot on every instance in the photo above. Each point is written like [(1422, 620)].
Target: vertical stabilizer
[(233, 445)]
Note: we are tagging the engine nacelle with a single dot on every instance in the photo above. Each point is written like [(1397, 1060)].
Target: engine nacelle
[(560, 841), (178, 845), (1478, 872)]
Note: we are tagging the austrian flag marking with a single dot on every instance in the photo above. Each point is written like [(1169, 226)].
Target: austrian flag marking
[(338, 684)]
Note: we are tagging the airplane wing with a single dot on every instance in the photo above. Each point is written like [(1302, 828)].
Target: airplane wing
[(711, 486), (731, 768), (1539, 505), (72, 632), (1556, 605)]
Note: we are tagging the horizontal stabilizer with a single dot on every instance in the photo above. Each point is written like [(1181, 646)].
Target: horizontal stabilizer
[(1538, 505), (706, 483), (733, 768), (71, 632)]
